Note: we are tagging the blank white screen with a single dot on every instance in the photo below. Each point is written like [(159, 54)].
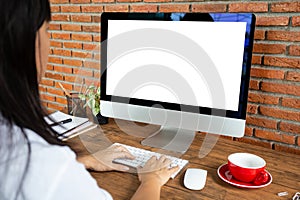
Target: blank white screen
[(222, 41)]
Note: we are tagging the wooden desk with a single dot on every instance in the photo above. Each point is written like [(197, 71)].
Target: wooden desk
[(284, 167)]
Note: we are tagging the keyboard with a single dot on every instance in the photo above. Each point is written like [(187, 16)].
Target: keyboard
[(142, 156)]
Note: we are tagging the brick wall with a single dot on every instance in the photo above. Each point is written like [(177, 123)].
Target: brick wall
[(273, 118)]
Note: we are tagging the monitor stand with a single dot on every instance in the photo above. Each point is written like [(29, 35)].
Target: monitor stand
[(171, 139)]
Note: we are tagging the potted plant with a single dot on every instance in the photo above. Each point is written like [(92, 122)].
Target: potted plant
[(92, 100)]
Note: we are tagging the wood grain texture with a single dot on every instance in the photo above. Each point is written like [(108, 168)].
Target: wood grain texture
[(284, 167)]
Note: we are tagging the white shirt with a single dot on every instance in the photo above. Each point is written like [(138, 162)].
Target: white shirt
[(53, 172)]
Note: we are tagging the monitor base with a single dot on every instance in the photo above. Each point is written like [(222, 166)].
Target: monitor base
[(171, 139)]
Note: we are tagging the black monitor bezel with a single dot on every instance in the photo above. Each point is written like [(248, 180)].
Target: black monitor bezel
[(245, 78)]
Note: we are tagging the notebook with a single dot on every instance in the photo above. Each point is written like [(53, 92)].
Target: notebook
[(74, 126)]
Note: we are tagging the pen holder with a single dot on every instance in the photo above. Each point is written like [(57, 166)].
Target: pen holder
[(76, 105)]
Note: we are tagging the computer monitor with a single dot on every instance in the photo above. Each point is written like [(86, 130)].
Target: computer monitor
[(184, 71)]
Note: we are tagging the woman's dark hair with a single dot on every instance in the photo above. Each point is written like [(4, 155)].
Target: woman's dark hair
[(19, 92)]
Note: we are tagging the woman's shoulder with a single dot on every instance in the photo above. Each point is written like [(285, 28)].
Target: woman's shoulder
[(69, 178)]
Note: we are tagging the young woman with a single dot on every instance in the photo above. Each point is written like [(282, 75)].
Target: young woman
[(33, 164)]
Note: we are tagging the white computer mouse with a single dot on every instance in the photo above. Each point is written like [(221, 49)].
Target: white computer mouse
[(195, 179)]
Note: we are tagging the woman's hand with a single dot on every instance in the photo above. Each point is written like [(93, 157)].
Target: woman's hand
[(156, 171), (153, 176), (103, 160)]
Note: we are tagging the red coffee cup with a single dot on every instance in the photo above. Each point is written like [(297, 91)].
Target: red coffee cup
[(248, 167)]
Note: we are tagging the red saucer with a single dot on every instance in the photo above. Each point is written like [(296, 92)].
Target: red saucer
[(225, 175)]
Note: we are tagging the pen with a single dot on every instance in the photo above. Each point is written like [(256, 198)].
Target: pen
[(61, 122)]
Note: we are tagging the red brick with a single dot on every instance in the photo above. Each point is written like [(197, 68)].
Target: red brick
[(59, 1), (143, 8), (90, 47), (54, 27), (55, 91), (91, 28), (272, 21), (281, 88), (72, 62), (70, 78), (289, 127), (96, 38), (49, 67), (209, 7), (262, 98), (262, 122), (279, 113), (259, 34), (60, 17), (254, 141), (55, 60), (291, 102), (81, 18), (61, 100), (93, 65), (294, 50), (103, 1), (62, 69), (293, 76), (69, 8), (252, 108), (269, 48), (62, 52), (80, 1), (256, 60), (296, 21), (248, 7), (47, 97), (82, 37), (157, 1), (96, 19), (42, 88), (54, 9), (97, 74), (71, 27), (275, 136), (54, 43), (47, 82), (96, 56), (287, 149), (67, 86), (73, 45), (185, 1), (92, 81), (128, 1), (254, 84), (62, 36), (267, 73), (55, 76), (116, 8), (291, 36), (56, 106), (248, 131), (282, 62), (285, 7), (298, 142), (92, 9), (83, 72), (174, 8), (79, 54)]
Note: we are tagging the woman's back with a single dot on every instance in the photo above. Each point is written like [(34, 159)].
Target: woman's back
[(53, 171)]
